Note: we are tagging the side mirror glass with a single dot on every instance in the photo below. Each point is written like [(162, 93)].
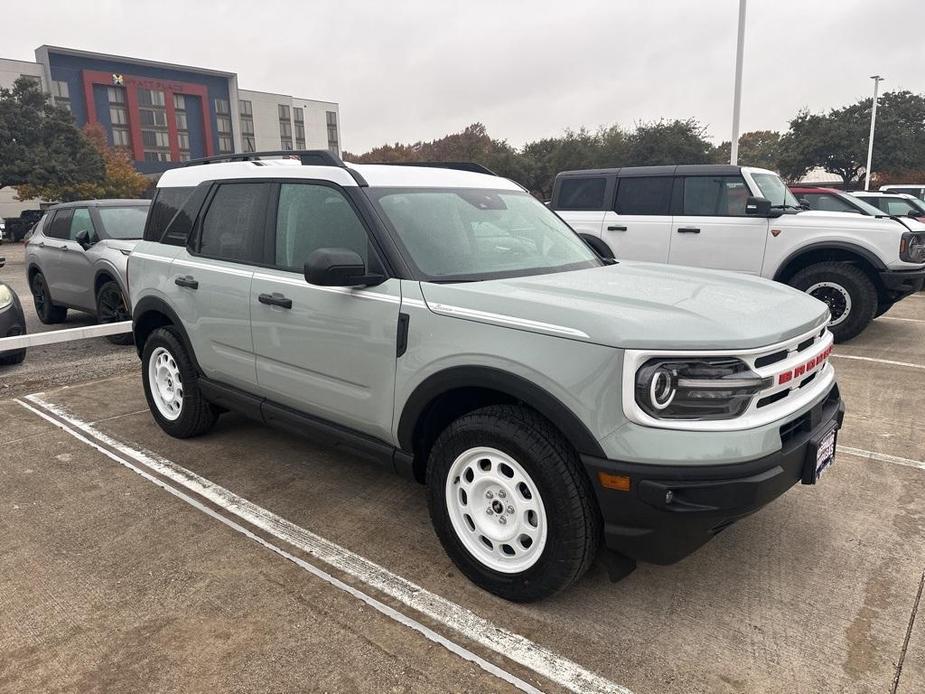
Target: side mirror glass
[(339, 267), (83, 238), (758, 207)]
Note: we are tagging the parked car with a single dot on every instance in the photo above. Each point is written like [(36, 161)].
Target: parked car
[(894, 204), (16, 228), (745, 219), (832, 200), (76, 259), (12, 322), (915, 189), (447, 324)]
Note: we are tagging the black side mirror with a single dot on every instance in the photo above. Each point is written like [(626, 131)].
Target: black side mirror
[(83, 238), (758, 207), (339, 267)]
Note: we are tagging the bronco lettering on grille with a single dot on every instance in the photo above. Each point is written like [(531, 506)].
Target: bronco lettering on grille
[(796, 372)]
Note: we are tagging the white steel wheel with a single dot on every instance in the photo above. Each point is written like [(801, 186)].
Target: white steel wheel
[(496, 510), (165, 383)]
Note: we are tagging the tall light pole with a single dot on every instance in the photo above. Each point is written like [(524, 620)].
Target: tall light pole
[(873, 123), (737, 99)]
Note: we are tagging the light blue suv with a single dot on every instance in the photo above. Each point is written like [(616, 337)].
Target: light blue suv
[(443, 321)]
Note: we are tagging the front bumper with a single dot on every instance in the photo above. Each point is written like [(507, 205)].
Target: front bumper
[(644, 525), (12, 323), (901, 283)]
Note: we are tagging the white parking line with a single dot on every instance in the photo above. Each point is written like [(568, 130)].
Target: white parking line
[(905, 320), (882, 457), (546, 663), (879, 361)]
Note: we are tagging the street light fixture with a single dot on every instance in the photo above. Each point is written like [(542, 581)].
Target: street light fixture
[(873, 123)]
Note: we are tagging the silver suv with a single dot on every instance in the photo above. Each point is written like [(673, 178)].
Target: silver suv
[(76, 259), (444, 322)]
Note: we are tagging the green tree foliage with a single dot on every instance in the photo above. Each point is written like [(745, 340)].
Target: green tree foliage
[(756, 148), (39, 143)]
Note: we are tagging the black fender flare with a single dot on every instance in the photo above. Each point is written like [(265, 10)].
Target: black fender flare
[(598, 245), (152, 304), (831, 245), (110, 272), (512, 385)]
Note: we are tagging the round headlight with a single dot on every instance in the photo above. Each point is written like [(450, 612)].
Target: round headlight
[(6, 296), (662, 388)]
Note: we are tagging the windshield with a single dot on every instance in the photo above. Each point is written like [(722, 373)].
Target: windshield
[(773, 189), (123, 222), (464, 234)]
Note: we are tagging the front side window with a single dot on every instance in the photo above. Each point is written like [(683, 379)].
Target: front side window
[(313, 216), (473, 234), (123, 222), (80, 221), (648, 195), (898, 207), (773, 189), (716, 196), (581, 194), (826, 202), (233, 228)]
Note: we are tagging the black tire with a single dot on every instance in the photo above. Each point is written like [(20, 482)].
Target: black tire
[(47, 312), (573, 518), (196, 415), (111, 308), (11, 358), (848, 320)]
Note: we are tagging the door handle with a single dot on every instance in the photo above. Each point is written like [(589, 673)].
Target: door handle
[(616, 228), (187, 281), (41, 244), (275, 299), (688, 230), (63, 248)]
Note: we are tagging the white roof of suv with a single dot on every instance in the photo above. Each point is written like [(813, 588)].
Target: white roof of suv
[(376, 175)]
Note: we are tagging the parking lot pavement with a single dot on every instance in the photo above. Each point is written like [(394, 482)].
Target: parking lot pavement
[(59, 364)]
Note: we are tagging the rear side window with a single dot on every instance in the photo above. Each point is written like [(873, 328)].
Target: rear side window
[(60, 227), (715, 196), (581, 194), (167, 203), (644, 195), (234, 225)]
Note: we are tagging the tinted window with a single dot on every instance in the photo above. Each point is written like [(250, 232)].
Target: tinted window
[(233, 228), (312, 217), (123, 222), (167, 202), (80, 221), (826, 202), (716, 196), (897, 206), (644, 195), (581, 194), (60, 227)]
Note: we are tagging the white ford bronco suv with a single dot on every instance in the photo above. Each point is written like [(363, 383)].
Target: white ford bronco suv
[(745, 219), (444, 322)]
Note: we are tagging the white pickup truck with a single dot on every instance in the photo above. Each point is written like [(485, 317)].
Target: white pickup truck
[(745, 219)]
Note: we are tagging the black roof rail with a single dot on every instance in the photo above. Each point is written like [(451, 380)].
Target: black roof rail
[(457, 165), (308, 157)]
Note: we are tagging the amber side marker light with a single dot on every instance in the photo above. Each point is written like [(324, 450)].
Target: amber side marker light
[(620, 483)]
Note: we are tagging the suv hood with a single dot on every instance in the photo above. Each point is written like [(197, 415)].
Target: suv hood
[(847, 220), (639, 306)]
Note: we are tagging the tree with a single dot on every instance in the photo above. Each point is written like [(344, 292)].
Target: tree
[(668, 142), (39, 143), (756, 148), (120, 179)]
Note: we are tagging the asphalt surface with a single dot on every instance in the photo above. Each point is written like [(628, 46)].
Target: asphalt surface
[(110, 581), (60, 364)]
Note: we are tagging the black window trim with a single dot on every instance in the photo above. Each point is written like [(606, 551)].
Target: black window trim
[(590, 177), (619, 183)]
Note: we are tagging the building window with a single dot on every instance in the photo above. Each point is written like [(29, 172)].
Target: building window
[(61, 94), (246, 107), (152, 155), (285, 127), (333, 144), (298, 117), (150, 97), (179, 112), (222, 106), (250, 144), (247, 125), (120, 137), (152, 116), (283, 112), (118, 116), (223, 125), (225, 144)]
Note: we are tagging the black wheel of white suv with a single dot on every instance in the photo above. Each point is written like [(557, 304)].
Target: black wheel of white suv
[(171, 387), (511, 504), (848, 292)]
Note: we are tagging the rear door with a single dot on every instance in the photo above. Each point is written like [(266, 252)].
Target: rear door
[(48, 250), (638, 225), (211, 281), (712, 229), (326, 351), (580, 202)]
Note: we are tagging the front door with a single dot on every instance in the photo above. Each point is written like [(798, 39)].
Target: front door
[(712, 229), (326, 351), (73, 273), (638, 227)]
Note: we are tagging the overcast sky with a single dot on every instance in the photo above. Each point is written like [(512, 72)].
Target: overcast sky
[(419, 69)]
